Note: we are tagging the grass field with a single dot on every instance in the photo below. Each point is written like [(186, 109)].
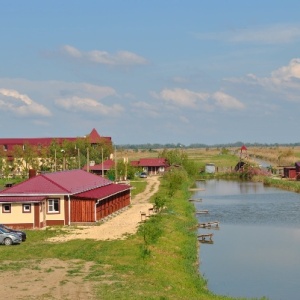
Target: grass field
[(163, 268)]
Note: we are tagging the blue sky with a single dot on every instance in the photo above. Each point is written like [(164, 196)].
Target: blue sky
[(167, 71)]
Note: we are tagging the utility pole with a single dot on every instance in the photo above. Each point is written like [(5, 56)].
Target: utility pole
[(116, 165), (55, 160), (87, 160), (102, 172), (78, 158)]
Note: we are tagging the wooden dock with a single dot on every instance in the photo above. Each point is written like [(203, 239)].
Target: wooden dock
[(195, 200), (205, 211), (209, 224), (196, 189), (206, 238)]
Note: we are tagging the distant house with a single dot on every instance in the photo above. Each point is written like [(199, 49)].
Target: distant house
[(289, 172), (152, 166), (99, 168), (292, 172), (61, 198)]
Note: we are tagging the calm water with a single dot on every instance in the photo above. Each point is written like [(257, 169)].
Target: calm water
[(256, 250)]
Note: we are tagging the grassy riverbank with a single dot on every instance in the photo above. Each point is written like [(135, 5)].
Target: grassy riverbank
[(160, 262)]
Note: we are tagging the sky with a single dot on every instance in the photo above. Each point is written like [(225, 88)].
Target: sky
[(192, 71)]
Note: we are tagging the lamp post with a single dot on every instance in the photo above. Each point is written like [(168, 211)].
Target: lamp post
[(64, 158), (55, 160), (88, 160)]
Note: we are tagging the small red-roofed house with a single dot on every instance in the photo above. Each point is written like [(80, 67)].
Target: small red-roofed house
[(99, 168), (61, 198), (152, 166)]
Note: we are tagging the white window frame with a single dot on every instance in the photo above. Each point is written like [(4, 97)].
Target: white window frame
[(51, 203), (26, 208), (6, 211)]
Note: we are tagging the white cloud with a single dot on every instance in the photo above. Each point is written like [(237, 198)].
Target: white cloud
[(121, 58), (287, 73), (71, 51), (200, 101), (273, 34), (226, 101), (182, 97), (77, 104), (284, 78), (21, 104)]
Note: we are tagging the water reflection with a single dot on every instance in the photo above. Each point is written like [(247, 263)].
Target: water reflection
[(256, 251)]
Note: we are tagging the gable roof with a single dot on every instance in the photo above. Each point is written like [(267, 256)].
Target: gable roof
[(58, 183), (104, 192), (153, 162), (94, 137)]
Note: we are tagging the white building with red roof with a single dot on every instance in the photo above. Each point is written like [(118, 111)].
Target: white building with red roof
[(152, 166), (61, 198)]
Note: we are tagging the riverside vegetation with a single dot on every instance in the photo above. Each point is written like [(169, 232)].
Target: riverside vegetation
[(159, 262)]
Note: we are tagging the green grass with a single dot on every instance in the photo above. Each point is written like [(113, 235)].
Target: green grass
[(121, 268), (138, 187)]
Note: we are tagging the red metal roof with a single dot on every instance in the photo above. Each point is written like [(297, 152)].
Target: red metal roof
[(104, 192), (66, 182), (152, 162), (27, 199), (107, 165), (94, 137)]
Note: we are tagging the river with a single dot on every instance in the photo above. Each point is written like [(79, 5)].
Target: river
[(255, 251)]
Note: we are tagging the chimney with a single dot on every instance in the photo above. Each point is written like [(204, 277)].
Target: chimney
[(32, 173)]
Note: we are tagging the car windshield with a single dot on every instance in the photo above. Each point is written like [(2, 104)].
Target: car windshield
[(4, 230)]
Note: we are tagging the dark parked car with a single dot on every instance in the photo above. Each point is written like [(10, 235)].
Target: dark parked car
[(19, 232), (143, 175), (8, 238)]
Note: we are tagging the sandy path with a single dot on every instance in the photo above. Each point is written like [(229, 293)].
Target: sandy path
[(119, 226)]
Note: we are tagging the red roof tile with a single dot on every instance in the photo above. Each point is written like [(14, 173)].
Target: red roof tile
[(11, 199), (66, 182), (107, 165), (104, 192), (94, 137), (153, 162)]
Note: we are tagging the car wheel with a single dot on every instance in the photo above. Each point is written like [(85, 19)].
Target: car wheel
[(8, 241)]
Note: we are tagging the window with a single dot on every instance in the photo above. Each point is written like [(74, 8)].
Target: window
[(53, 206), (26, 208), (6, 208), (5, 147)]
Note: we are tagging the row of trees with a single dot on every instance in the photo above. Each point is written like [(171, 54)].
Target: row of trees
[(57, 156)]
